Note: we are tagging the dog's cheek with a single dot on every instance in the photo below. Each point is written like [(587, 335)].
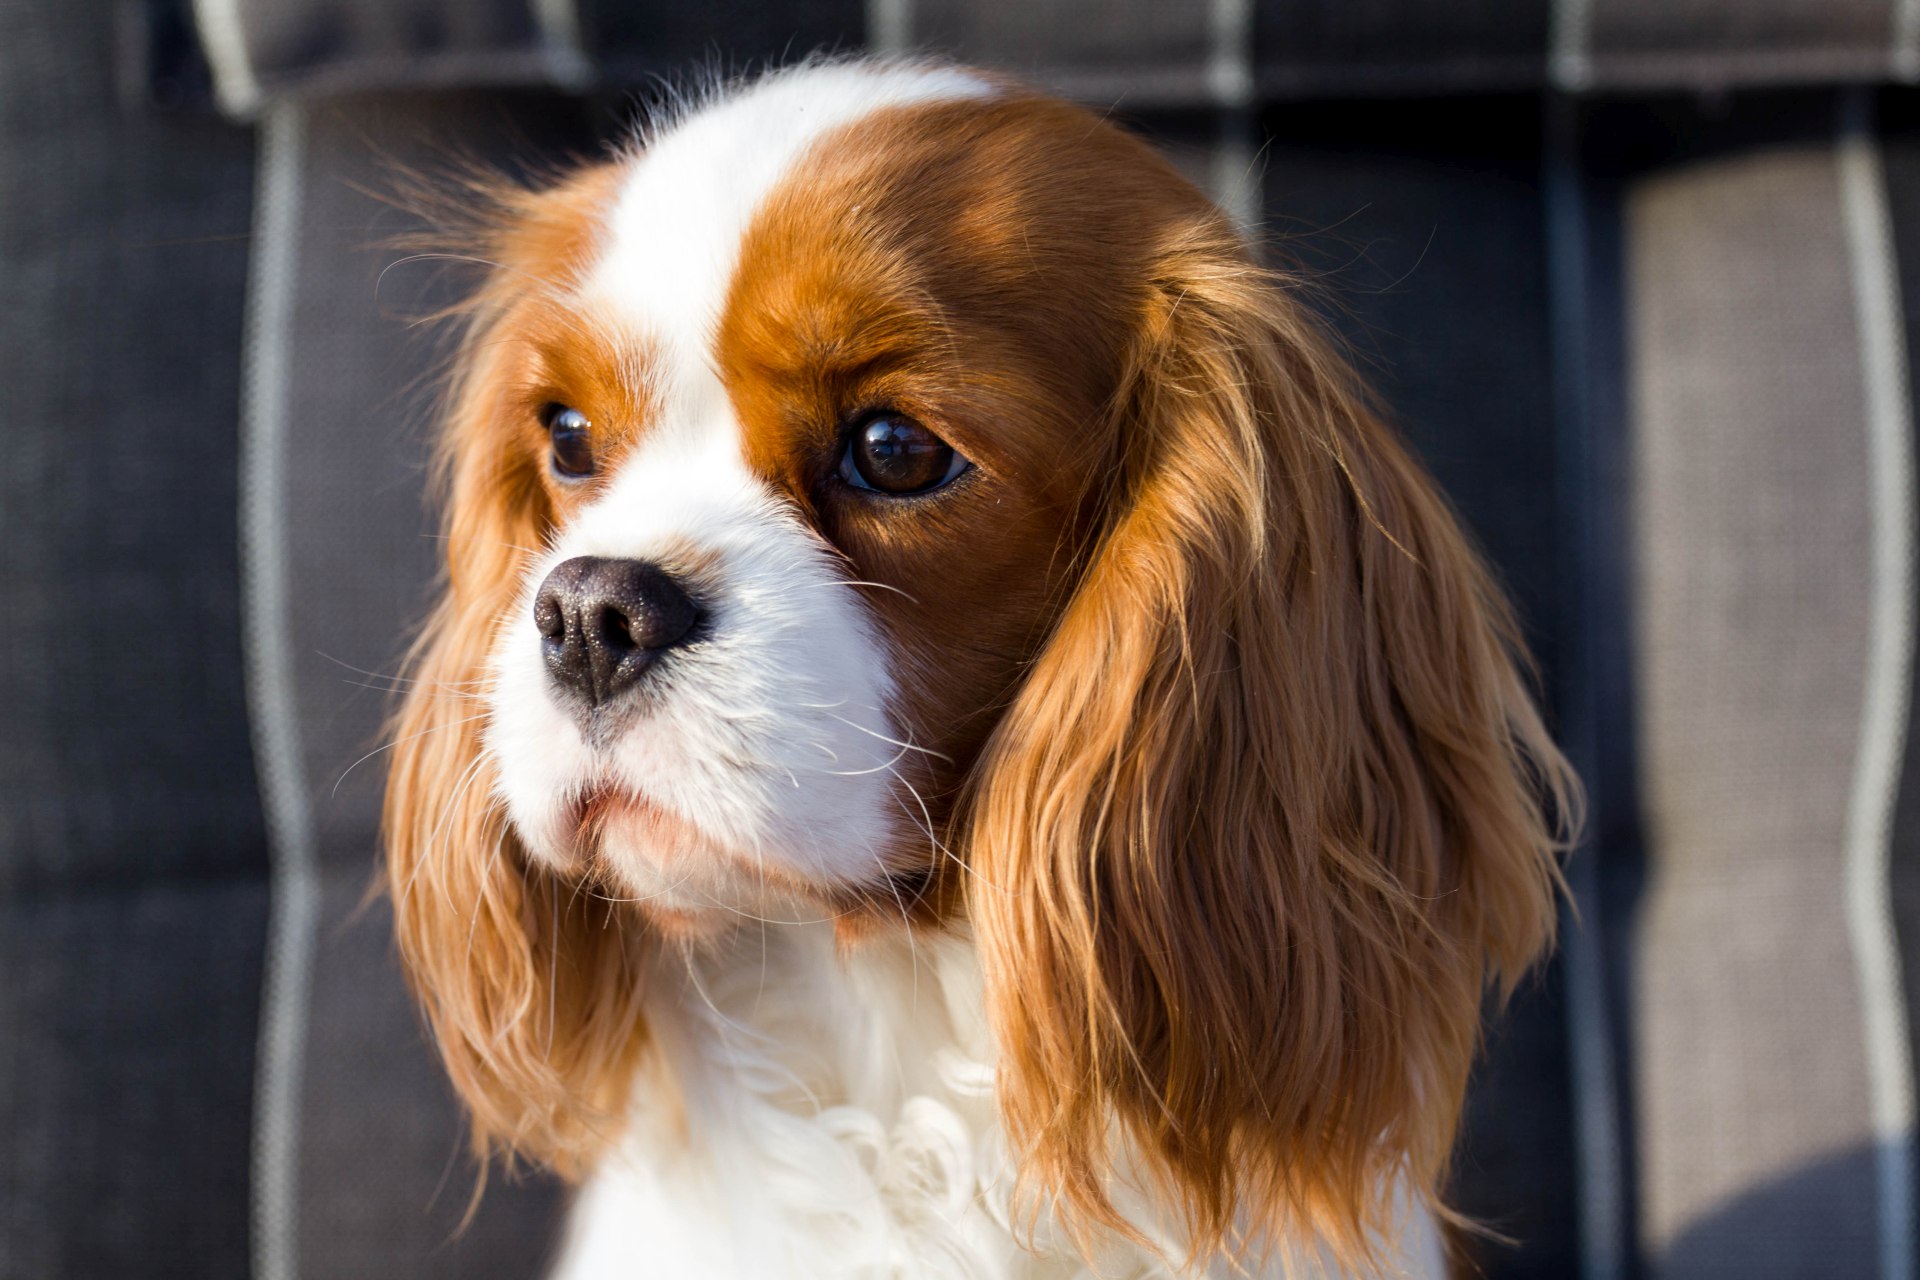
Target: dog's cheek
[(538, 759)]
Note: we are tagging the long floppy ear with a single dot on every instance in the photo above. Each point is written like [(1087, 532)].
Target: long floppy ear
[(531, 994), (1273, 808)]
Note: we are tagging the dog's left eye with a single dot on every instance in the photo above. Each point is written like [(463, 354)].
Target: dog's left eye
[(891, 453), (570, 440)]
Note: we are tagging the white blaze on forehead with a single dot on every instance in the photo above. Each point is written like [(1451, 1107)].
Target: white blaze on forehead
[(673, 239)]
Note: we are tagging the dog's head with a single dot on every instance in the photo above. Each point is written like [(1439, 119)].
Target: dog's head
[(892, 494)]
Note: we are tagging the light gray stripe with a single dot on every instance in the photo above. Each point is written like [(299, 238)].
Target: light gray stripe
[(1570, 45), (224, 41), (1230, 52), (567, 61), (1236, 185), (1889, 679), (1597, 1127), (1905, 54), (1236, 165), (889, 26), (268, 639)]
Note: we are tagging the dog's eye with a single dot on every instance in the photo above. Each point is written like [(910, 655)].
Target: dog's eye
[(891, 453), (572, 446)]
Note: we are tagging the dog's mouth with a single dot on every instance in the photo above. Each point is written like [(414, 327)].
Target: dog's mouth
[(587, 814), (690, 884), (604, 814)]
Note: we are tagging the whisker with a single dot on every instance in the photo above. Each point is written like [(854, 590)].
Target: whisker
[(451, 695), (898, 756), (933, 840), (451, 724), (445, 821), (593, 892), (745, 914), (413, 872), (862, 582), (400, 681), (925, 751), (554, 289), (913, 944)]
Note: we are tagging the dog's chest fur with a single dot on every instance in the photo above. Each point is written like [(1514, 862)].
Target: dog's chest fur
[(811, 1114)]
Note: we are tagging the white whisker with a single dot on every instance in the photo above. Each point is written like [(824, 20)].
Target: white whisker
[(925, 751), (451, 724)]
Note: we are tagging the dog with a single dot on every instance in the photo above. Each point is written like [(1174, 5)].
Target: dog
[(954, 742)]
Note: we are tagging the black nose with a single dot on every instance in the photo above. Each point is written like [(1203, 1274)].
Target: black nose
[(604, 622)]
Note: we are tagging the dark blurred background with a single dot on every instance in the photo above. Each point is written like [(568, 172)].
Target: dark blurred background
[(1635, 276)]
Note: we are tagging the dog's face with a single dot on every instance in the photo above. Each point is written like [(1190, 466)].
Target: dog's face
[(893, 495), (815, 398)]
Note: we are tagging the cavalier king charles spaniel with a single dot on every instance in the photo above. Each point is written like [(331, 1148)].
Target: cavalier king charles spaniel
[(954, 742)]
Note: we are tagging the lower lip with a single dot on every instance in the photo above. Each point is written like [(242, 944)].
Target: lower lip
[(594, 808), (677, 849), (603, 805)]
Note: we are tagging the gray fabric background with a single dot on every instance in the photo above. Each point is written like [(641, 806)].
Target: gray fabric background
[(361, 391), (132, 857)]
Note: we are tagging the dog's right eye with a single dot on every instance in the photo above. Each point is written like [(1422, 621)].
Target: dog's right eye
[(571, 442)]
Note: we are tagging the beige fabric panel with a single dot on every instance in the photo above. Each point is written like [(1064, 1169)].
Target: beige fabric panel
[(1655, 43), (1752, 560)]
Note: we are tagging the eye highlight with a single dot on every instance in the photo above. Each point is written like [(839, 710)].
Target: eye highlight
[(570, 441), (890, 453)]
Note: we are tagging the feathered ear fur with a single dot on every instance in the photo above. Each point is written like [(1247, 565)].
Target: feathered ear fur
[(1273, 808), (532, 997)]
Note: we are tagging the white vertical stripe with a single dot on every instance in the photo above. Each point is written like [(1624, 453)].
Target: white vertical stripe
[(559, 25), (1889, 679), (268, 640), (224, 41), (1570, 45), (1230, 52), (1599, 1159), (1236, 187), (1905, 52), (889, 26)]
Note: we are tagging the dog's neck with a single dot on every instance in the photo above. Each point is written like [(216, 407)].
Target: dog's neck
[(813, 1111)]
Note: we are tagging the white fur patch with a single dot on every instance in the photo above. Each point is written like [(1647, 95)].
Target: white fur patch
[(813, 1116), (674, 239)]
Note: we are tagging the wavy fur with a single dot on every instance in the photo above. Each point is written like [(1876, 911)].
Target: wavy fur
[(1273, 807)]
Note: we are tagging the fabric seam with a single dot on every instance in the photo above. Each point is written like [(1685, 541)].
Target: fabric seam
[(271, 699)]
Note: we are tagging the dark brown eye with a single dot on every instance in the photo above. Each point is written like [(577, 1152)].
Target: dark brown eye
[(571, 442), (891, 453)]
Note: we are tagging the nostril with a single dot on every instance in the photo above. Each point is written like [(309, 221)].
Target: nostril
[(616, 630), (641, 607), (604, 623), (548, 619)]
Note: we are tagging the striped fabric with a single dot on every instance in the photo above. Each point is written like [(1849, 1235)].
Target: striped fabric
[(1150, 55), (1767, 671), (1637, 279)]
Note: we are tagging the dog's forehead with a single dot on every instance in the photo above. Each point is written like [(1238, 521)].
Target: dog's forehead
[(672, 241)]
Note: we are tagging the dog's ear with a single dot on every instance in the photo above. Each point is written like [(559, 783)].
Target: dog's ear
[(1272, 810), (532, 998)]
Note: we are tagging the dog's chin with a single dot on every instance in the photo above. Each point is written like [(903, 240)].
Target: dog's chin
[(688, 886)]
